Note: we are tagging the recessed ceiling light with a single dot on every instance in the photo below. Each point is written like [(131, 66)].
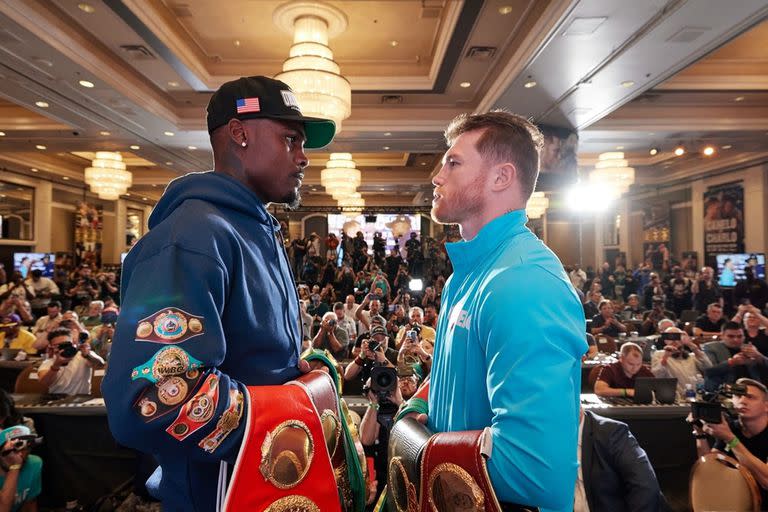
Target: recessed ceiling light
[(34, 170), (423, 163), (619, 147), (727, 146), (393, 43), (504, 10), (154, 185), (40, 147), (465, 84), (654, 151), (627, 83), (385, 148), (387, 134), (128, 194), (529, 84), (87, 8), (236, 42), (65, 178), (679, 151), (738, 98), (135, 147), (2, 134), (709, 151), (105, 133), (192, 147), (173, 84), (168, 163), (169, 134), (313, 189), (86, 84), (42, 104), (143, 198)]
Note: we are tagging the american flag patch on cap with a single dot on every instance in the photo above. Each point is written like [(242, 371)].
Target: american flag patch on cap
[(245, 105)]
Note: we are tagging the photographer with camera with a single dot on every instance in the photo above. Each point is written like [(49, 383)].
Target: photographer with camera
[(331, 336), (412, 353), (679, 357), (746, 436), (657, 313), (68, 369), (383, 392), (415, 322), (85, 288), (20, 472), (374, 351)]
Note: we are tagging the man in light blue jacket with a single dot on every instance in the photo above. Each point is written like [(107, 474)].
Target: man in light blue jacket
[(511, 332)]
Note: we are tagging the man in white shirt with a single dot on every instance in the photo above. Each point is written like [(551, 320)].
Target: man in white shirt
[(47, 323), (69, 368), (344, 322), (364, 316), (350, 308), (44, 288), (680, 358)]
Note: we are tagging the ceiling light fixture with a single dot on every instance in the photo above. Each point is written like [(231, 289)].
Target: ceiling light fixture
[(42, 104), (86, 84), (739, 98), (237, 43), (530, 83), (65, 178), (107, 176), (40, 147), (169, 134), (709, 151), (464, 85), (387, 134), (192, 148), (627, 83), (105, 133), (619, 147), (654, 151), (135, 147), (173, 84), (2, 134), (34, 170), (386, 148), (86, 8), (612, 171), (340, 176), (310, 71), (504, 10), (393, 43), (679, 151), (537, 205), (727, 146)]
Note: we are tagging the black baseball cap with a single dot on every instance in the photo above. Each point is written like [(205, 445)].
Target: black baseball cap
[(260, 97)]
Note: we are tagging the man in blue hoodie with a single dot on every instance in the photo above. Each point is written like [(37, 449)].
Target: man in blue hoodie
[(209, 304), (511, 330)]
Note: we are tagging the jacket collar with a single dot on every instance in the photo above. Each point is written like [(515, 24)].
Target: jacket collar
[(467, 253)]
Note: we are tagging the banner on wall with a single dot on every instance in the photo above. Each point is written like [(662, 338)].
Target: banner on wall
[(89, 225), (657, 234), (723, 221)]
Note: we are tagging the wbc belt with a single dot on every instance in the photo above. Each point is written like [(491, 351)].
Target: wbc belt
[(284, 463)]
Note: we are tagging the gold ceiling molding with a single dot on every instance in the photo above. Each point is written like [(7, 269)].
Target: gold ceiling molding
[(16, 118), (164, 25), (46, 163), (699, 168), (53, 27)]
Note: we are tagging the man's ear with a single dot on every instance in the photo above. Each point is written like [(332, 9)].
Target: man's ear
[(236, 131), (503, 176)]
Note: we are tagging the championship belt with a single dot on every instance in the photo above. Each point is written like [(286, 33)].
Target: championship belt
[(284, 464), (444, 472)]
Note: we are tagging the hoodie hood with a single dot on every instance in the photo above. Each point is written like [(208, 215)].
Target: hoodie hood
[(213, 187)]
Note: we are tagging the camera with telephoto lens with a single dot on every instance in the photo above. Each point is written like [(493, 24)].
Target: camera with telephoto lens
[(384, 383), (714, 404), (373, 345), (67, 349)]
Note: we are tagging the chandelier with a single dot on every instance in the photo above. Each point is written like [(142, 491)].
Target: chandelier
[(537, 205), (340, 177), (310, 70), (107, 176), (352, 203), (611, 170)]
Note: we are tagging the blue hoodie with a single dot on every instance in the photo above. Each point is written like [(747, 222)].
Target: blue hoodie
[(508, 356), (208, 307)]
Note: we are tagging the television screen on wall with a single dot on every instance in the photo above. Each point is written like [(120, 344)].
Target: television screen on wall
[(730, 267), (26, 262)]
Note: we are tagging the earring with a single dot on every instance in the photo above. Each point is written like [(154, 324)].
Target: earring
[(243, 143)]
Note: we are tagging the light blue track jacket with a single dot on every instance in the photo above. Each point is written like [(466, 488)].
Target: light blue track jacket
[(508, 355)]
